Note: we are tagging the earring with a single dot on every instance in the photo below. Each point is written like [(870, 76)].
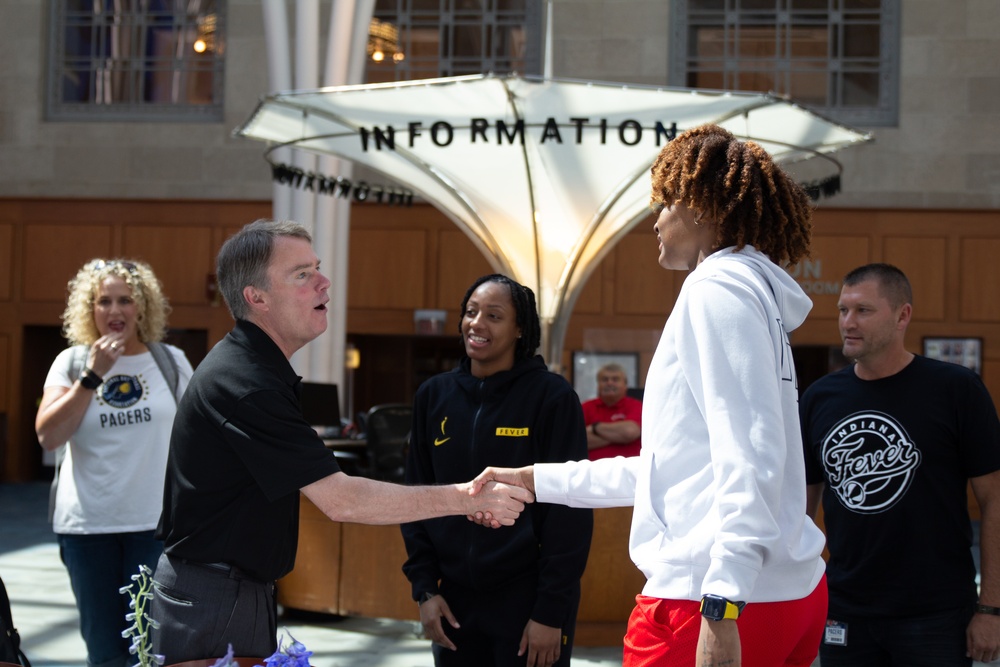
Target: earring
[(697, 221)]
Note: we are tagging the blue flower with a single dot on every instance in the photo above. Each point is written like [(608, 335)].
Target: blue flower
[(226, 660), (294, 655)]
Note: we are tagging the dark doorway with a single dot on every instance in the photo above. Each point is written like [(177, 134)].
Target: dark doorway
[(393, 367), (814, 361)]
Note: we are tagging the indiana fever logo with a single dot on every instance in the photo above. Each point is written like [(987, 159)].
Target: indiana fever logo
[(870, 462)]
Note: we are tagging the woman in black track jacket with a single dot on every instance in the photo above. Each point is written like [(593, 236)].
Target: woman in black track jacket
[(507, 596)]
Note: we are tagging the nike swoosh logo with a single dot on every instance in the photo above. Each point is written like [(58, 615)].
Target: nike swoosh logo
[(440, 441)]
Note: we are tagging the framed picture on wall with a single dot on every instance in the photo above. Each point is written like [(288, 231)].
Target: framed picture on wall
[(966, 352), (586, 365)]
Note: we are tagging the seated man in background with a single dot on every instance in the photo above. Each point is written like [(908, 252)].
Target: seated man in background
[(614, 420)]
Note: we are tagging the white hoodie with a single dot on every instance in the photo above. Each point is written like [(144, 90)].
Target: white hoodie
[(719, 488)]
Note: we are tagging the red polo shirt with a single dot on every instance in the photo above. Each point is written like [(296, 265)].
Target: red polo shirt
[(595, 410)]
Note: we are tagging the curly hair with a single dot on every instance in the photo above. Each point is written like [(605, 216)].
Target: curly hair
[(78, 318), (737, 185), (525, 309)]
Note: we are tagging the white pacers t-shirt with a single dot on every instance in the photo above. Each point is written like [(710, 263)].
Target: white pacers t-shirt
[(111, 480)]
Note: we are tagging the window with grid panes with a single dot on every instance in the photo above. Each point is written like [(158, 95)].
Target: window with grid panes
[(435, 38), (121, 60), (838, 57)]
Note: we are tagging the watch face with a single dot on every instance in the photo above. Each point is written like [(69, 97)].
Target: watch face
[(713, 607)]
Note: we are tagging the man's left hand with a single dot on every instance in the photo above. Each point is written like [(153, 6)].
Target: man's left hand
[(982, 637)]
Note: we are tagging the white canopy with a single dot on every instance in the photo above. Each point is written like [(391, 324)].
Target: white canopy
[(544, 175)]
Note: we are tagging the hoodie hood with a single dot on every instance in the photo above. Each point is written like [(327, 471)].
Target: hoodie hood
[(792, 302)]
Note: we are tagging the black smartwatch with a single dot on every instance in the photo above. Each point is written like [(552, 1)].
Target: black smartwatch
[(986, 609), (717, 608), (90, 380)]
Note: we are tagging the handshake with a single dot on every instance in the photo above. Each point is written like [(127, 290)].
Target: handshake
[(497, 495)]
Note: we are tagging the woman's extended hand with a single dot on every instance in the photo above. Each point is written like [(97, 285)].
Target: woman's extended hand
[(522, 477)]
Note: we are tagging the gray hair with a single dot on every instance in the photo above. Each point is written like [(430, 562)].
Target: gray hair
[(245, 257), (613, 368)]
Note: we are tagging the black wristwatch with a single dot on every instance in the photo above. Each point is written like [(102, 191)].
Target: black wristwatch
[(425, 597), (90, 380), (593, 427), (717, 608)]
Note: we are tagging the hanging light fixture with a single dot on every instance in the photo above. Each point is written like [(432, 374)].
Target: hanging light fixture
[(383, 42), (206, 34)]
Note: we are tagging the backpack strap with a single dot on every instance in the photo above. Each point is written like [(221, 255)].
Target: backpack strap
[(77, 361), (168, 366)]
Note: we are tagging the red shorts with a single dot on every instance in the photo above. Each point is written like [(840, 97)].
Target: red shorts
[(772, 634)]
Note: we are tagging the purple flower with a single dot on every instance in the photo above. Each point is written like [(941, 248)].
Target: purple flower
[(226, 660), (294, 655)]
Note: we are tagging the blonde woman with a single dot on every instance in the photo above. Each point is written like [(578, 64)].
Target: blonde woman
[(109, 399)]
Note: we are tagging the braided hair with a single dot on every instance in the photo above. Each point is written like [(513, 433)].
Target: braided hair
[(736, 184), (525, 309)]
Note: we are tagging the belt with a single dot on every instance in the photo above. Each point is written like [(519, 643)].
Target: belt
[(228, 570)]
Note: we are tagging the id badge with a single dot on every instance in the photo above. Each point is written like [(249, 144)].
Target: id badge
[(836, 633)]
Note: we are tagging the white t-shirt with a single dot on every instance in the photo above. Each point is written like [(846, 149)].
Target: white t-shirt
[(111, 480)]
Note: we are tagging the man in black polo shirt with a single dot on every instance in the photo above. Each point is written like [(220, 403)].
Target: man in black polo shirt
[(240, 452)]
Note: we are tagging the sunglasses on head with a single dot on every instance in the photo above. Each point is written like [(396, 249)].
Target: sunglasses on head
[(128, 266)]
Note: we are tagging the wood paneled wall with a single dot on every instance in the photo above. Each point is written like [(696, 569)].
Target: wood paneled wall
[(404, 259), (950, 258), (43, 243)]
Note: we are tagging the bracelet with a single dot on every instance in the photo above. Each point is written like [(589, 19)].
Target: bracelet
[(986, 609), (593, 428), (90, 380)]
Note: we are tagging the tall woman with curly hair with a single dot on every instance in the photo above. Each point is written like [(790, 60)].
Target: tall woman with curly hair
[(107, 399), (734, 573)]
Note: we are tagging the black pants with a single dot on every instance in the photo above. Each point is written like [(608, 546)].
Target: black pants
[(492, 626), (204, 608), (933, 639)]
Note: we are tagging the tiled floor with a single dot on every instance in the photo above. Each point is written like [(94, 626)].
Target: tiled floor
[(45, 614)]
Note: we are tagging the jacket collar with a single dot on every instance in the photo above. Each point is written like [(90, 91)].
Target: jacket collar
[(497, 381)]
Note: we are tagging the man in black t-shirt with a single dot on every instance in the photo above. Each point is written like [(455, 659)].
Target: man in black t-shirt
[(890, 445), (240, 452)]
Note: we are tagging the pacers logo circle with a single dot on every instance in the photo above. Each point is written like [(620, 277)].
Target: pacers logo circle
[(122, 391)]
